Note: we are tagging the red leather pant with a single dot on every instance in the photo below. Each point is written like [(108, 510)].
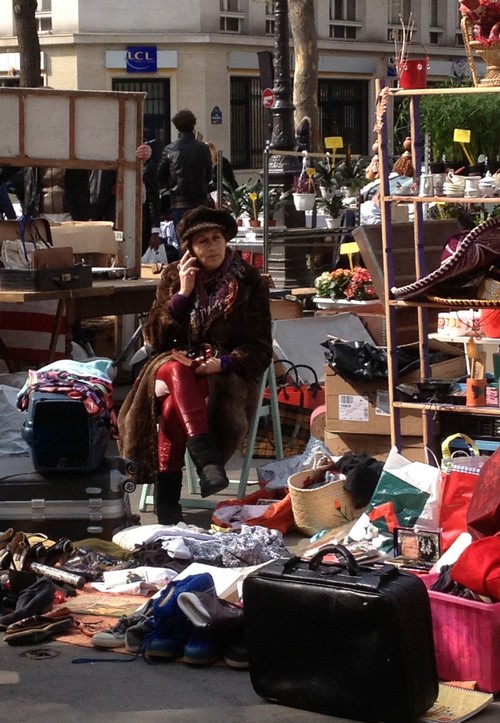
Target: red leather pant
[(183, 413)]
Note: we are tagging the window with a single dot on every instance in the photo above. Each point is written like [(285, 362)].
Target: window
[(399, 11), (343, 23), (231, 16), (156, 123), (459, 38), (43, 16), (270, 16), (343, 110), (436, 29)]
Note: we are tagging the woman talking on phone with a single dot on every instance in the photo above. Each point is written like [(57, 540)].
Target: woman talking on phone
[(210, 329)]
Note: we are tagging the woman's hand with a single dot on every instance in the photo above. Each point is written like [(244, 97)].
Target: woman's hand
[(188, 268), (210, 366)]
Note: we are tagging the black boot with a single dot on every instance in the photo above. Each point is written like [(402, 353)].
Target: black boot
[(167, 493), (208, 462)]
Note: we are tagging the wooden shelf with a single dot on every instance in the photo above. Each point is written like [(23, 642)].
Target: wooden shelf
[(441, 199), (440, 407)]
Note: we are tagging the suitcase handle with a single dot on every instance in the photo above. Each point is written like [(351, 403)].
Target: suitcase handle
[(339, 550)]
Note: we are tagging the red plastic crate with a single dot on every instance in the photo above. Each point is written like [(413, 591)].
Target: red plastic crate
[(466, 638)]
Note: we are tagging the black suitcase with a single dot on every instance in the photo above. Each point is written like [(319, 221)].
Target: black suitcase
[(341, 639), (77, 506)]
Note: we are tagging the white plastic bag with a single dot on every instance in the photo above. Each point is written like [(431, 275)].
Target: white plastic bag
[(11, 423), (151, 256)]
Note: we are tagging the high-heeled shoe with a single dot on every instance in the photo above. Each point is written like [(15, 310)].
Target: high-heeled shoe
[(18, 546), (36, 553), (5, 559), (6, 537), (59, 552)]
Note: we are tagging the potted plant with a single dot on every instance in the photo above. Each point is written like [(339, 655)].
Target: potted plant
[(304, 191), (333, 208), (253, 201), (325, 177), (234, 199), (345, 285)]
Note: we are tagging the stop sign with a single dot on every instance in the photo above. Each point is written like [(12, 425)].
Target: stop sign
[(268, 98)]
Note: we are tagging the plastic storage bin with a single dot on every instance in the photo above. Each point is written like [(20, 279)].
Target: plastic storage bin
[(466, 638), (63, 437)]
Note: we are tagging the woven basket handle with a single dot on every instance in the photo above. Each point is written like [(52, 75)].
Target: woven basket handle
[(466, 27)]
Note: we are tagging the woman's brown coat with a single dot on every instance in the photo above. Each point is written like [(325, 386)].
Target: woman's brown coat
[(245, 333)]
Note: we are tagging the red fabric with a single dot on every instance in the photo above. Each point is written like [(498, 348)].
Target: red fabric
[(483, 513), (478, 567), (275, 516)]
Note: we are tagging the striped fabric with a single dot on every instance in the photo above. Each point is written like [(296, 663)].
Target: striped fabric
[(26, 330)]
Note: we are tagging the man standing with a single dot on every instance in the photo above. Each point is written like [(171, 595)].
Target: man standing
[(185, 167)]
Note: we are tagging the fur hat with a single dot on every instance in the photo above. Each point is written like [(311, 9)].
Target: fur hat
[(202, 218)]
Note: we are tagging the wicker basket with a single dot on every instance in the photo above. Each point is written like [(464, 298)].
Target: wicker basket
[(323, 507), (489, 54)]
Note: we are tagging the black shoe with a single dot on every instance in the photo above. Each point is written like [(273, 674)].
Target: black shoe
[(167, 492), (169, 514), (208, 462), (59, 552)]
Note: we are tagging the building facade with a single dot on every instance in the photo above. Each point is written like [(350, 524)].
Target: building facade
[(212, 56)]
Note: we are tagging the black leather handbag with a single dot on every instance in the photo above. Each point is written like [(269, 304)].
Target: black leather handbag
[(341, 639)]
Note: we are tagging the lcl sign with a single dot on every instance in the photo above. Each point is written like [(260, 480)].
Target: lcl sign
[(141, 59)]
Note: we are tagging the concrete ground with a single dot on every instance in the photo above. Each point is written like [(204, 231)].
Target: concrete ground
[(44, 684)]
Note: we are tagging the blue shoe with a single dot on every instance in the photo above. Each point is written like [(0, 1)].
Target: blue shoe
[(165, 607), (171, 628), (202, 648)]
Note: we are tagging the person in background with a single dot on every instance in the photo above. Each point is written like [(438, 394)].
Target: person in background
[(6, 208), (151, 214), (185, 167), (227, 169), (217, 305)]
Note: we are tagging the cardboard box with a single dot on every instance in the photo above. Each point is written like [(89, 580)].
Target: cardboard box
[(377, 446), (363, 407), (85, 237)]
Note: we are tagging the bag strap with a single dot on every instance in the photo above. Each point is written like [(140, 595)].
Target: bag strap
[(293, 368), (445, 446)]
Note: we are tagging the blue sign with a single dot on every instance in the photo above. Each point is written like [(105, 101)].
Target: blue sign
[(216, 116), (141, 59)]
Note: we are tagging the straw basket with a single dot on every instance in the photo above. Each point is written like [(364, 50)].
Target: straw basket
[(322, 507), (489, 54)]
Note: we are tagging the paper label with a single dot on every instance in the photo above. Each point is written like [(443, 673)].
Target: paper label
[(353, 408), (382, 403)]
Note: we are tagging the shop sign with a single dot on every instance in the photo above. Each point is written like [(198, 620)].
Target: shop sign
[(141, 59), (216, 116)]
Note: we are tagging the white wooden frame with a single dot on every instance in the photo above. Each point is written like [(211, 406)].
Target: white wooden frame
[(80, 129)]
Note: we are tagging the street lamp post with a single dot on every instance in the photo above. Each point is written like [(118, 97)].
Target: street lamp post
[(283, 132)]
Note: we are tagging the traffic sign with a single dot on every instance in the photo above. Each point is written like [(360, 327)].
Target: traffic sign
[(268, 97)]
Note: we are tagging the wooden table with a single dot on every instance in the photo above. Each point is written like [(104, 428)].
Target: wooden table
[(108, 297)]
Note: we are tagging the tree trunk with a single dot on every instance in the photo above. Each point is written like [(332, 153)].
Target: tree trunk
[(29, 44), (305, 80)]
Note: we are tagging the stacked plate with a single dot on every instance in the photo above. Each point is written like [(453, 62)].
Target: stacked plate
[(454, 188)]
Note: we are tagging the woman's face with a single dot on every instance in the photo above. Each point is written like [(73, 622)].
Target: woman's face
[(209, 247)]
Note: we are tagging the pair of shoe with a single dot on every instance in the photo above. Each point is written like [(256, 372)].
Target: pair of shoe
[(217, 619), (117, 636), (37, 628), (36, 599), (55, 554), (172, 634)]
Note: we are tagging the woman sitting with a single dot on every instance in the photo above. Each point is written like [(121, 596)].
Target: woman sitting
[(216, 307)]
